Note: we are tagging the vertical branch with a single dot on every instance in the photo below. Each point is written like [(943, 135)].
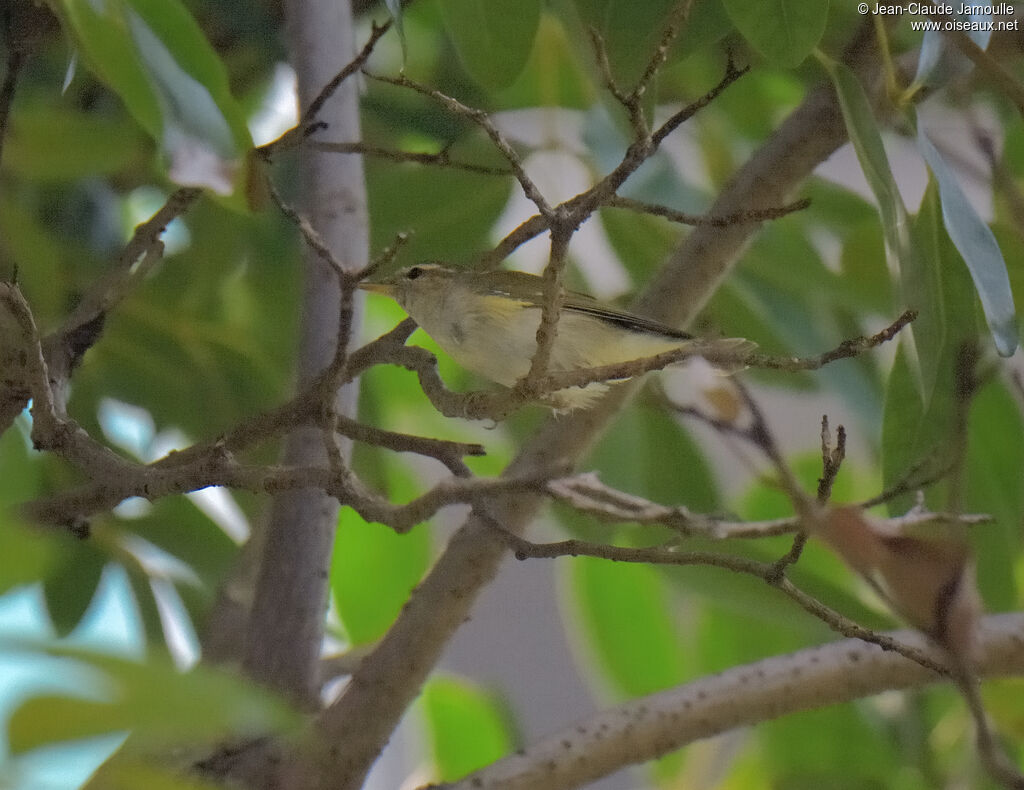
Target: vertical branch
[(285, 630), (551, 309)]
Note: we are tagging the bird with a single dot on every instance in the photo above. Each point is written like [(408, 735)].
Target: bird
[(487, 322)]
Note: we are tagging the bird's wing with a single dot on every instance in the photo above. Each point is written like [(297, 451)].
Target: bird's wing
[(529, 289)]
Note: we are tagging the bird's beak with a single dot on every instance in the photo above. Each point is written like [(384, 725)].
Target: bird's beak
[(377, 288)]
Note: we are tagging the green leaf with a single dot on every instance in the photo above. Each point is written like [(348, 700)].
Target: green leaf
[(553, 75), (867, 143), (493, 37), (630, 31), (995, 485), (373, 571), (466, 726), (450, 215), (101, 35), (641, 241), (647, 453), (913, 430), (941, 60), (394, 8), (625, 611), (784, 31), (126, 771), (162, 706), (977, 244), (155, 57), (858, 754), (20, 470), (708, 24), (865, 275), (27, 555), (71, 584), (36, 146), (176, 525)]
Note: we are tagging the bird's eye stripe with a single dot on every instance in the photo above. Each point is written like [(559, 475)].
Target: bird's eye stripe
[(414, 272)]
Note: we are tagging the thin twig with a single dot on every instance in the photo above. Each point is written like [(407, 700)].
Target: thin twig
[(308, 123), (220, 469), (587, 494), (732, 73), (521, 234), (483, 120), (752, 215), (309, 235), (498, 404), (524, 549), (677, 17), (441, 159), (993, 758), (551, 307)]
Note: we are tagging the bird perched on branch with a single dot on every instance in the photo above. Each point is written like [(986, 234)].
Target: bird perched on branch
[(488, 322)]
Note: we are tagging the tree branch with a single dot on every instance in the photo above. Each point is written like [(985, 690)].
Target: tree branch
[(285, 627), (649, 727), (384, 685)]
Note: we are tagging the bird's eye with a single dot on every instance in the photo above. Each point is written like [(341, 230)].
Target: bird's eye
[(413, 273)]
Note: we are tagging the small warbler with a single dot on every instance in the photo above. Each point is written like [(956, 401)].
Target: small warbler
[(487, 322)]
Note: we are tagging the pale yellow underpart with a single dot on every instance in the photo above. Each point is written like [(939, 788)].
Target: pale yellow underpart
[(497, 337)]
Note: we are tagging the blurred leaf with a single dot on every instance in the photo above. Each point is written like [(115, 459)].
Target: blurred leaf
[(552, 76), (708, 24), (624, 610), (214, 324), (45, 260), (736, 312), (27, 555), (20, 470), (927, 578), (395, 9), (466, 726), (979, 249), (177, 526), (128, 772), (865, 275), (784, 31), (493, 37), (630, 32), (102, 36), (912, 430), (995, 485), (867, 143), (37, 147), (642, 242), (1004, 702), (858, 754), (649, 454), (71, 583), (145, 604), (836, 206), (373, 571), (162, 706), (450, 214), (941, 60), (156, 58)]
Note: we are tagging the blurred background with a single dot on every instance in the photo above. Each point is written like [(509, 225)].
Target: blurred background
[(210, 338)]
